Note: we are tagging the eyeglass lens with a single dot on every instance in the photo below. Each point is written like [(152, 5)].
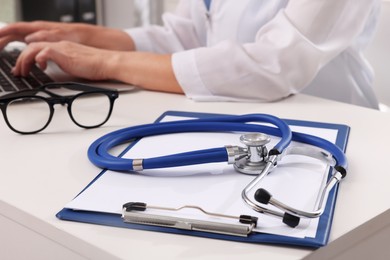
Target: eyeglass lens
[(91, 112), (36, 113)]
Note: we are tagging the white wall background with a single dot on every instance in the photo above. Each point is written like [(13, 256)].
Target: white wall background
[(9, 10), (169, 5), (125, 14)]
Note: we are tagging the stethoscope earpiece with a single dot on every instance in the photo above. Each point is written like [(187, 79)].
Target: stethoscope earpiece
[(262, 196)]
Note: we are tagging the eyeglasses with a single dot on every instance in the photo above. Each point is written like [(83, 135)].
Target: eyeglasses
[(30, 111)]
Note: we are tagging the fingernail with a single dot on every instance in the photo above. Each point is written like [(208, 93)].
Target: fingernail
[(14, 71)]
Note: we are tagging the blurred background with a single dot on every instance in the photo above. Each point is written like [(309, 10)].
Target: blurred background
[(112, 13), (130, 13)]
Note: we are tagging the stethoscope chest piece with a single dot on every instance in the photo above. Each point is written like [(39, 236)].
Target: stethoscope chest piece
[(255, 160)]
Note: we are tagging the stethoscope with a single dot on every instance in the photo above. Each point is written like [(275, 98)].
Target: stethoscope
[(254, 159)]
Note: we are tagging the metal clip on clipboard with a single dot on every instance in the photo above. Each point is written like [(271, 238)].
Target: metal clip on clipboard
[(131, 213)]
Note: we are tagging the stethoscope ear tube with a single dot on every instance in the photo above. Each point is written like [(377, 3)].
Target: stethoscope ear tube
[(334, 150), (291, 216)]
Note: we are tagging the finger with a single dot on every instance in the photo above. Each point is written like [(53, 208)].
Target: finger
[(27, 59), (51, 53), (41, 60), (11, 38), (21, 29), (43, 36), (44, 56)]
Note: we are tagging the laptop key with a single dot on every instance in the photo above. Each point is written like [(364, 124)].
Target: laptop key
[(5, 84)]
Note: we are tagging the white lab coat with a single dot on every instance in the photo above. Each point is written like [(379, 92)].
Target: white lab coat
[(262, 50)]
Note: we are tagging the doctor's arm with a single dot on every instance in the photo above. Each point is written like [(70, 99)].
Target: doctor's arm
[(285, 57), (148, 70)]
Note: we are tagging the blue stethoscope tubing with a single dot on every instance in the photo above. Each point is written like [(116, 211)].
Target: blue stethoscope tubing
[(99, 155), (98, 152)]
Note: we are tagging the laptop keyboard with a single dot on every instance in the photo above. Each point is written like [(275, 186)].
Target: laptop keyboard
[(10, 83)]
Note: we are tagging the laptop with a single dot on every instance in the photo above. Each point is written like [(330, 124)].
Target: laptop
[(37, 77)]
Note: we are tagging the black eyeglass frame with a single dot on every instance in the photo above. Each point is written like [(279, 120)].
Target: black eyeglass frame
[(55, 99)]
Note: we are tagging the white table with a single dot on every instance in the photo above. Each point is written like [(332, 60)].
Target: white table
[(40, 173)]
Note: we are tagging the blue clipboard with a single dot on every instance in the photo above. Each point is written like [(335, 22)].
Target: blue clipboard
[(325, 222)]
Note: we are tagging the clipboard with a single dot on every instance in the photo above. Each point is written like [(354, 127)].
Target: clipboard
[(320, 238)]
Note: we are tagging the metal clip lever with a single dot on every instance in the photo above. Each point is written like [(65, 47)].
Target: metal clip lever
[(131, 213)]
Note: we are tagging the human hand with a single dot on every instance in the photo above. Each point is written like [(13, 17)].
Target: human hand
[(90, 35), (73, 58), (147, 70), (41, 31)]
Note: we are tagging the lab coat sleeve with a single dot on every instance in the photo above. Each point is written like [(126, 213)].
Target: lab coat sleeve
[(287, 54)]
